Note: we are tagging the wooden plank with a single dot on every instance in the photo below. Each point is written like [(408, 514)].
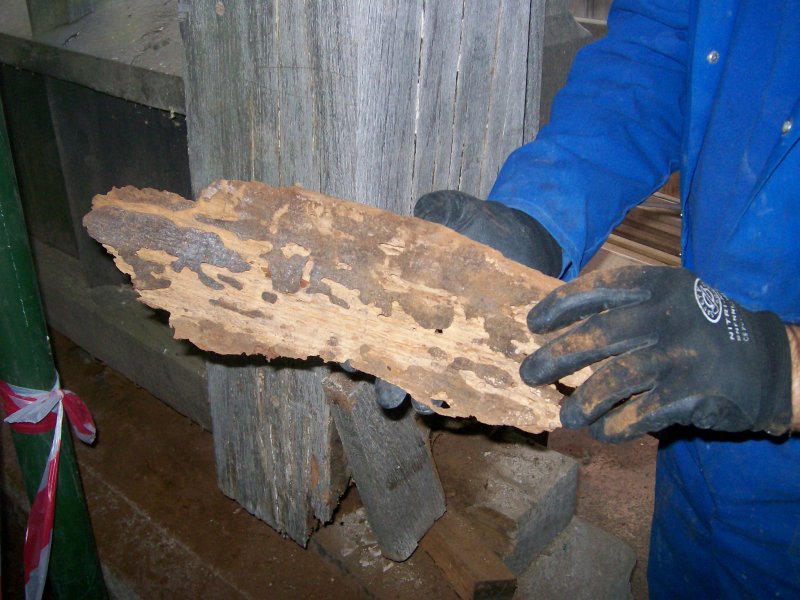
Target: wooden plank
[(473, 570), (45, 15), (533, 80), (388, 47), (501, 44), (287, 272), (145, 147), (642, 233), (641, 252), (391, 465)]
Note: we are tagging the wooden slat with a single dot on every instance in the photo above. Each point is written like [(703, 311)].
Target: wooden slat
[(649, 236), (648, 254), (666, 222), (474, 571), (391, 465)]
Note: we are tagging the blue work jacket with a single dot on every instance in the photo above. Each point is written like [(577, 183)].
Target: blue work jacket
[(712, 89), (709, 88)]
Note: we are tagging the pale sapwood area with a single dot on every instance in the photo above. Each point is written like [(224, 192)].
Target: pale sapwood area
[(251, 269)]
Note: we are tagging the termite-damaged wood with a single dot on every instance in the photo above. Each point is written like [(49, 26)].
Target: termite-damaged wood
[(289, 272)]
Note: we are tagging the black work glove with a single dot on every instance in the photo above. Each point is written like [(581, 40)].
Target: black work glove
[(683, 353), (513, 233)]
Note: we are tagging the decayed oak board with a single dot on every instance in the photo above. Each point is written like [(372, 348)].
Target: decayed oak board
[(289, 272)]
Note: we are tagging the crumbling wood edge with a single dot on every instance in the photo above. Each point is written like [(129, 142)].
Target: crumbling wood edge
[(391, 465), (288, 272)]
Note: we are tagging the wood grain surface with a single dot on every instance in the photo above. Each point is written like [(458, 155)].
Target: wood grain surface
[(288, 272)]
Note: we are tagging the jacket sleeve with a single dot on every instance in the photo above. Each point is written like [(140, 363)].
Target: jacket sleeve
[(615, 131)]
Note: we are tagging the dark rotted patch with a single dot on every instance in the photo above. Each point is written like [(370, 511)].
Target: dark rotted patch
[(427, 313), (320, 287), (253, 314), (286, 273), (231, 281), (256, 208), (437, 353), (492, 375), (129, 231), (503, 331)]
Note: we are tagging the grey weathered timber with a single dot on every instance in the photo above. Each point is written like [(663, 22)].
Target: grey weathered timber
[(390, 463), (378, 102), (519, 495), (46, 14), (475, 62), (581, 563), (132, 54), (275, 457)]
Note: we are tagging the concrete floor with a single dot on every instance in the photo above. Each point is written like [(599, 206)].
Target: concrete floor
[(224, 552)]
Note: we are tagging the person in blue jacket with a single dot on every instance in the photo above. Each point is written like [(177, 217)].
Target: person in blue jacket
[(708, 354)]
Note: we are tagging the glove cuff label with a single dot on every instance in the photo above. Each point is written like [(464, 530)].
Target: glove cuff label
[(716, 307), (709, 300)]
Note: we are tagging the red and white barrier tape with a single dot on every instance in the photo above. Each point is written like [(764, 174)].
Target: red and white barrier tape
[(39, 411)]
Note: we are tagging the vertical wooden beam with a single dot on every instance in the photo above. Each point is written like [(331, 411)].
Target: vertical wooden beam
[(375, 101), (270, 93), (281, 460)]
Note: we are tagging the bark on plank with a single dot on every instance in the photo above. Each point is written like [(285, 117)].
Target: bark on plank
[(288, 272), (391, 465)]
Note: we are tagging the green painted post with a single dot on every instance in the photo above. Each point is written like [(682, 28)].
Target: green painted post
[(26, 360)]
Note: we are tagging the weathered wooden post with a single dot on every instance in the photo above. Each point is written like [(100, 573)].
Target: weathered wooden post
[(377, 101)]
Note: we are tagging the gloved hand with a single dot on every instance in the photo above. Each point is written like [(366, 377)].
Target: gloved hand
[(514, 233), (682, 353)]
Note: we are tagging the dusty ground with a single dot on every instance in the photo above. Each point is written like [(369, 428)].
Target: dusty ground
[(248, 558)]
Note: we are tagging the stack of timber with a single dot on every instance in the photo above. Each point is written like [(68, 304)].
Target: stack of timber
[(650, 233), (288, 272)]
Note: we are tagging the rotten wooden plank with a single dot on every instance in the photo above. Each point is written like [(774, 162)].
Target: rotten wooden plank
[(288, 272)]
